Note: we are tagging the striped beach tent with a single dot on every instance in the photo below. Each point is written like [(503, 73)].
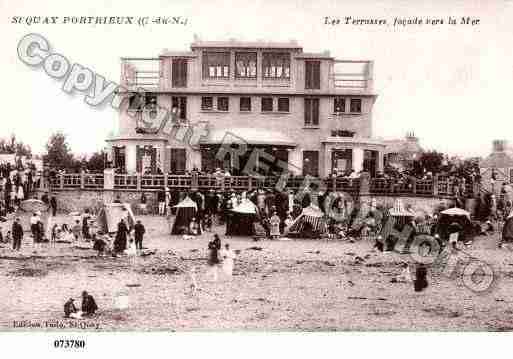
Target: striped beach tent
[(311, 222)]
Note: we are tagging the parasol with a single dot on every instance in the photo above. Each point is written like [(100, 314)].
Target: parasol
[(456, 212), (33, 205)]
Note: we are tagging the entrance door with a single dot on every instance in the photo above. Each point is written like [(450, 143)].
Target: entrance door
[(342, 161), (370, 159), (178, 159), (311, 163), (119, 158)]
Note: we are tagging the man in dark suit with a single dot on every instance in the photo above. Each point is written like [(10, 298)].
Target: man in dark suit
[(139, 231), (53, 205), (17, 234)]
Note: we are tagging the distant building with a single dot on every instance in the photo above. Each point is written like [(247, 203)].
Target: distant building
[(402, 152), (308, 110), (498, 165)]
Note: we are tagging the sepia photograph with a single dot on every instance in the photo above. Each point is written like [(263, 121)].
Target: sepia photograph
[(267, 166)]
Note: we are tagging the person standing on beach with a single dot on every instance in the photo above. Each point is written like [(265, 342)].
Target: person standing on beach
[(53, 205), (121, 237), (139, 231), (228, 258), (76, 229), (213, 257), (161, 198), (17, 235)]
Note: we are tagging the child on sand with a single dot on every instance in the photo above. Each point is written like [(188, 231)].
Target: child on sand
[(275, 226)]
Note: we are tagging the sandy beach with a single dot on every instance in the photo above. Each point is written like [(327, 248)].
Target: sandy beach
[(277, 285)]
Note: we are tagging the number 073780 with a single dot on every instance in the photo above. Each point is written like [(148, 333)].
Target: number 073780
[(69, 344)]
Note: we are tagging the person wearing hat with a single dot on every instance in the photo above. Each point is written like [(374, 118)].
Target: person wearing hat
[(161, 198), (17, 234), (70, 310), (89, 306), (139, 231)]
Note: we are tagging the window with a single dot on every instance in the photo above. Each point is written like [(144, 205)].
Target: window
[(179, 73), (311, 163), (356, 105), (339, 105), (177, 161), (312, 75), (179, 107), (245, 65), (283, 104), (276, 65), (245, 104), (311, 112), (216, 65), (222, 103), (267, 104), (207, 103), (342, 133)]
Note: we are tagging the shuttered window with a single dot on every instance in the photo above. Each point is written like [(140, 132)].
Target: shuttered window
[(312, 75), (179, 73), (311, 111)]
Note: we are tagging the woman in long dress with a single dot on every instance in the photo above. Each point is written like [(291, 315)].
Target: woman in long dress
[(213, 256), (275, 226), (228, 258), (288, 223)]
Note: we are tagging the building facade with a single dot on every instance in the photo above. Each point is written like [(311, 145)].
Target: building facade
[(497, 168), (401, 153), (274, 104)]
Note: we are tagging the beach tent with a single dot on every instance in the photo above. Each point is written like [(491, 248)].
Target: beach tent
[(111, 214), (311, 223), (241, 219), (185, 211), (395, 218), (453, 215)]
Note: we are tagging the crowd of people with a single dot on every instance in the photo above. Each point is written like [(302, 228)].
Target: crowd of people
[(17, 183)]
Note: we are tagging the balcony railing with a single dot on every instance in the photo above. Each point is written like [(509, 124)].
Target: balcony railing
[(436, 187)]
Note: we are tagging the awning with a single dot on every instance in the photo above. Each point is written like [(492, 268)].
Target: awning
[(251, 136)]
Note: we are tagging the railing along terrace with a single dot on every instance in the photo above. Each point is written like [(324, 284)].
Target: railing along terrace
[(153, 181), (93, 181), (380, 186), (71, 180), (179, 181), (424, 187), (438, 186), (125, 181), (444, 186)]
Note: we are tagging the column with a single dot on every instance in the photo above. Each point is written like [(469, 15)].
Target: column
[(381, 162), (108, 178), (295, 161), (131, 158), (193, 159), (357, 159), (327, 154)]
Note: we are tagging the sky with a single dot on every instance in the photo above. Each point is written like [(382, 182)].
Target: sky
[(449, 84)]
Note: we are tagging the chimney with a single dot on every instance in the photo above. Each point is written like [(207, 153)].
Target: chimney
[(410, 136), (499, 145)]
